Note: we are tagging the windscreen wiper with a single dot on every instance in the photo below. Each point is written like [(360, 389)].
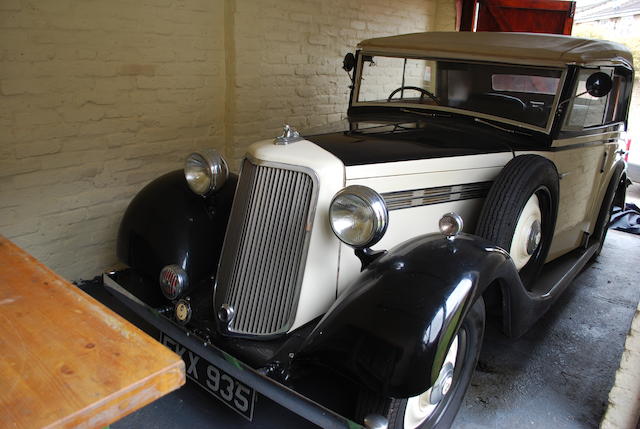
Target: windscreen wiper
[(429, 114), (507, 130)]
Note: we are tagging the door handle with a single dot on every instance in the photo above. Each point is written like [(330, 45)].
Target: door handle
[(604, 162)]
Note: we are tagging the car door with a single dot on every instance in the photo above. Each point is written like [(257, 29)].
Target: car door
[(583, 153)]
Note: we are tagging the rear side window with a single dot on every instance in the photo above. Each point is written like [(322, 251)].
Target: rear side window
[(619, 97), (525, 83)]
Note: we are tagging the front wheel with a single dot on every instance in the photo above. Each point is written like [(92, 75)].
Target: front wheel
[(438, 406)]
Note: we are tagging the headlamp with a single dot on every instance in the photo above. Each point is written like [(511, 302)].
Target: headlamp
[(358, 216), (205, 171)]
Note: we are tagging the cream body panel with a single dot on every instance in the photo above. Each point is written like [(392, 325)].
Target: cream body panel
[(612, 141), (410, 222), (319, 282), (580, 185), (598, 195), (610, 135), (580, 171), (433, 165), (405, 224), (407, 182)]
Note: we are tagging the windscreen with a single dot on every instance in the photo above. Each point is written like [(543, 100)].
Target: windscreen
[(519, 93)]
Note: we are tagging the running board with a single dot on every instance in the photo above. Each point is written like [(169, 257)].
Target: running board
[(524, 307), (559, 273)]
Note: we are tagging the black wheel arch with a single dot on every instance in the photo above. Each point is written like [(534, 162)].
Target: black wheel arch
[(166, 223), (401, 314), (623, 183), (615, 193)]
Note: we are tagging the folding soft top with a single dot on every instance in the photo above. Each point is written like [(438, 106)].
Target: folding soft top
[(521, 48)]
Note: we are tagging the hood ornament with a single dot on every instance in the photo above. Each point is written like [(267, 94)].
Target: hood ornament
[(289, 135)]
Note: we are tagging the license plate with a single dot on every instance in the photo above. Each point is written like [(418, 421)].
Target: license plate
[(234, 394)]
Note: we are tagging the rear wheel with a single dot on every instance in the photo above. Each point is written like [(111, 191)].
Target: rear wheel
[(438, 406)]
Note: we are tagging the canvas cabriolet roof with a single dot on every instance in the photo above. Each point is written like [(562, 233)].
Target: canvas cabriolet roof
[(522, 48)]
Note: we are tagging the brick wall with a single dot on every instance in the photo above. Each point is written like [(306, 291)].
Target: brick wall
[(289, 57), (98, 98)]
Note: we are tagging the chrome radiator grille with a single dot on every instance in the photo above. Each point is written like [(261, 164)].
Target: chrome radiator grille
[(265, 249)]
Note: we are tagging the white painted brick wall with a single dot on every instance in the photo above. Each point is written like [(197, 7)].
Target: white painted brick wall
[(98, 98), (289, 54)]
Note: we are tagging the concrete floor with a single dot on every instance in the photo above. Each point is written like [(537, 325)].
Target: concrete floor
[(558, 375)]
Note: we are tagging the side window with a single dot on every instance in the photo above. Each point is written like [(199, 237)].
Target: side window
[(619, 96), (587, 111)]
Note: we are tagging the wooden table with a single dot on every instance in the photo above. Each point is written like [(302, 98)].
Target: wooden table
[(65, 359)]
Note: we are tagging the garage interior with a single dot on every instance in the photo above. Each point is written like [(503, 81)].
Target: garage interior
[(99, 98), (557, 375)]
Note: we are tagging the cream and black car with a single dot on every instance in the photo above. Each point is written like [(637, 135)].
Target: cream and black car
[(473, 178)]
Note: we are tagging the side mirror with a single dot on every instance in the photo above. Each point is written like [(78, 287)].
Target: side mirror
[(599, 84), (349, 62)]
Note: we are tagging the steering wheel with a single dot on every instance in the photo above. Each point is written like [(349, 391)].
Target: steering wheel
[(422, 92)]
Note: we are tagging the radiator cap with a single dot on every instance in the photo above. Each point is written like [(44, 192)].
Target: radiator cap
[(289, 135)]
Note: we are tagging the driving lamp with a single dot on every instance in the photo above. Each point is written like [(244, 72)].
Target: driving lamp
[(205, 171), (358, 216)]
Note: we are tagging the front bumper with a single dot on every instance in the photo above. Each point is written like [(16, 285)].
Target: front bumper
[(284, 396)]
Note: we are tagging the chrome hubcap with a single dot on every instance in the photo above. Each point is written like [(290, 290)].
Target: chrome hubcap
[(528, 233), (534, 237), (442, 384), (420, 407), (446, 384)]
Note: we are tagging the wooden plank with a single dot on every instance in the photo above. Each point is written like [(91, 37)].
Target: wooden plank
[(559, 5), (67, 360), (534, 16)]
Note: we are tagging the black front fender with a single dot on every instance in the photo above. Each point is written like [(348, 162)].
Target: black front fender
[(166, 223), (391, 329)]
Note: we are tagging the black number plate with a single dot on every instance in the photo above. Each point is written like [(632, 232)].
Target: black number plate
[(236, 395)]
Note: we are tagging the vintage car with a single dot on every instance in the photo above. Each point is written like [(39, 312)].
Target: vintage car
[(473, 178)]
